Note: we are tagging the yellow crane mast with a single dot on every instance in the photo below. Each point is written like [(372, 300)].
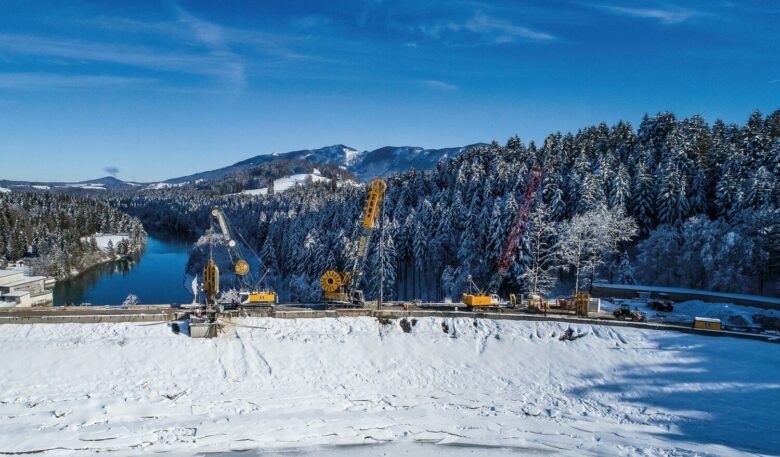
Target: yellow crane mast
[(341, 287)]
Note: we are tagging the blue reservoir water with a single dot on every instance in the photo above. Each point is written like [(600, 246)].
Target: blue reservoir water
[(156, 277)]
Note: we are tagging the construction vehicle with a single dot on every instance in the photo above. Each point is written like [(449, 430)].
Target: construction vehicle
[(488, 297), (250, 294), (475, 298), (341, 288), (625, 313)]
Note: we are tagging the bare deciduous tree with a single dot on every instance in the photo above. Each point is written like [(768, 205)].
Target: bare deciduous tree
[(589, 238)]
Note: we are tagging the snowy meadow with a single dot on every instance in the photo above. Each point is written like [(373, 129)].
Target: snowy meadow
[(320, 386)]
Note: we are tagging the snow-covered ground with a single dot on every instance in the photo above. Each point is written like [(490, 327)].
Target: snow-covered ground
[(102, 239), (282, 184), (450, 387), (4, 190), (729, 314), (87, 186)]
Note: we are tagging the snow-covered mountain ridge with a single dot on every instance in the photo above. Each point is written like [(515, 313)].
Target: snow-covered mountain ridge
[(363, 164)]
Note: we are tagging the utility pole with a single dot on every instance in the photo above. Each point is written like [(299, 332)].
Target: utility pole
[(381, 256)]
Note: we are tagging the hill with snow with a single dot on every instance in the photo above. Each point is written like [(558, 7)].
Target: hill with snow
[(100, 184), (363, 164), (363, 387)]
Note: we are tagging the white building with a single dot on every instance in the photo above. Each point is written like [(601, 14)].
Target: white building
[(16, 289)]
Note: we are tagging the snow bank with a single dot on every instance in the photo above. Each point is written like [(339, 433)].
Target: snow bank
[(4, 190), (311, 384)]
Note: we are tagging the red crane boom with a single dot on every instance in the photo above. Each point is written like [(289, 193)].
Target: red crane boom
[(518, 228)]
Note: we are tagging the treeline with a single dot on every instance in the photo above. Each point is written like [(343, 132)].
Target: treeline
[(52, 232), (440, 226)]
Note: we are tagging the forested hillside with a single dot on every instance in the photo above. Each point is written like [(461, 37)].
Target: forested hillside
[(52, 231), (701, 201)]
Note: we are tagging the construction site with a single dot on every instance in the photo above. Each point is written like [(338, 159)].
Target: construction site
[(342, 295), (615, 370)]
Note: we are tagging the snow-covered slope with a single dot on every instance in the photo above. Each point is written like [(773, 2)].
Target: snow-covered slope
[(282, 184), (331, 155), (105, 183), (450, 387)]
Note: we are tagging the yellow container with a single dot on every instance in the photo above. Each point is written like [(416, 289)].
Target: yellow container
[(707, 323), (262, 297), (477, 300)]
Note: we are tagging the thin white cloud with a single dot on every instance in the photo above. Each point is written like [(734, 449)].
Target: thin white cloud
[(503, 31), (665, 16), (438, 85), (212, 65), (491, 29), (52, 80), (212, 36)]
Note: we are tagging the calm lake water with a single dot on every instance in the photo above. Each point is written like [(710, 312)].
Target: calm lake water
[(157, 277)]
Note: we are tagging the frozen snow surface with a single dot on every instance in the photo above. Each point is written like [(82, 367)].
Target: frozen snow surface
[(448, 387), (4, 190)]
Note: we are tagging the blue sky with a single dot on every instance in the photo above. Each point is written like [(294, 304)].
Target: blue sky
[(163, 89)]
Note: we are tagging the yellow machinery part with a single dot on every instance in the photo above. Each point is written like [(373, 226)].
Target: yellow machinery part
[(241, 268), (262, 297), (211, 281), (375, 196), (331, 281), (477, 300), (581, 301), (336, 296)]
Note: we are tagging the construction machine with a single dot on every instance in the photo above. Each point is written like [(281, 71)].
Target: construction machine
[(341, 288), (625, 313), (488, 297), (250, 293)]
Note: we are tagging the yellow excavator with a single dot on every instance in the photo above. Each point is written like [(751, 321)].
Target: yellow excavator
[(249, 295), (340, 288)]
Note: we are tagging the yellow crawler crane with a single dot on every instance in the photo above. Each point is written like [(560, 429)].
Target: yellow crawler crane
[(341, 287), (249, 294)]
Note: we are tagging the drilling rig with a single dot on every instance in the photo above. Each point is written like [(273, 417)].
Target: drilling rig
[(340, 288), (488, 297), (249, 293)]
